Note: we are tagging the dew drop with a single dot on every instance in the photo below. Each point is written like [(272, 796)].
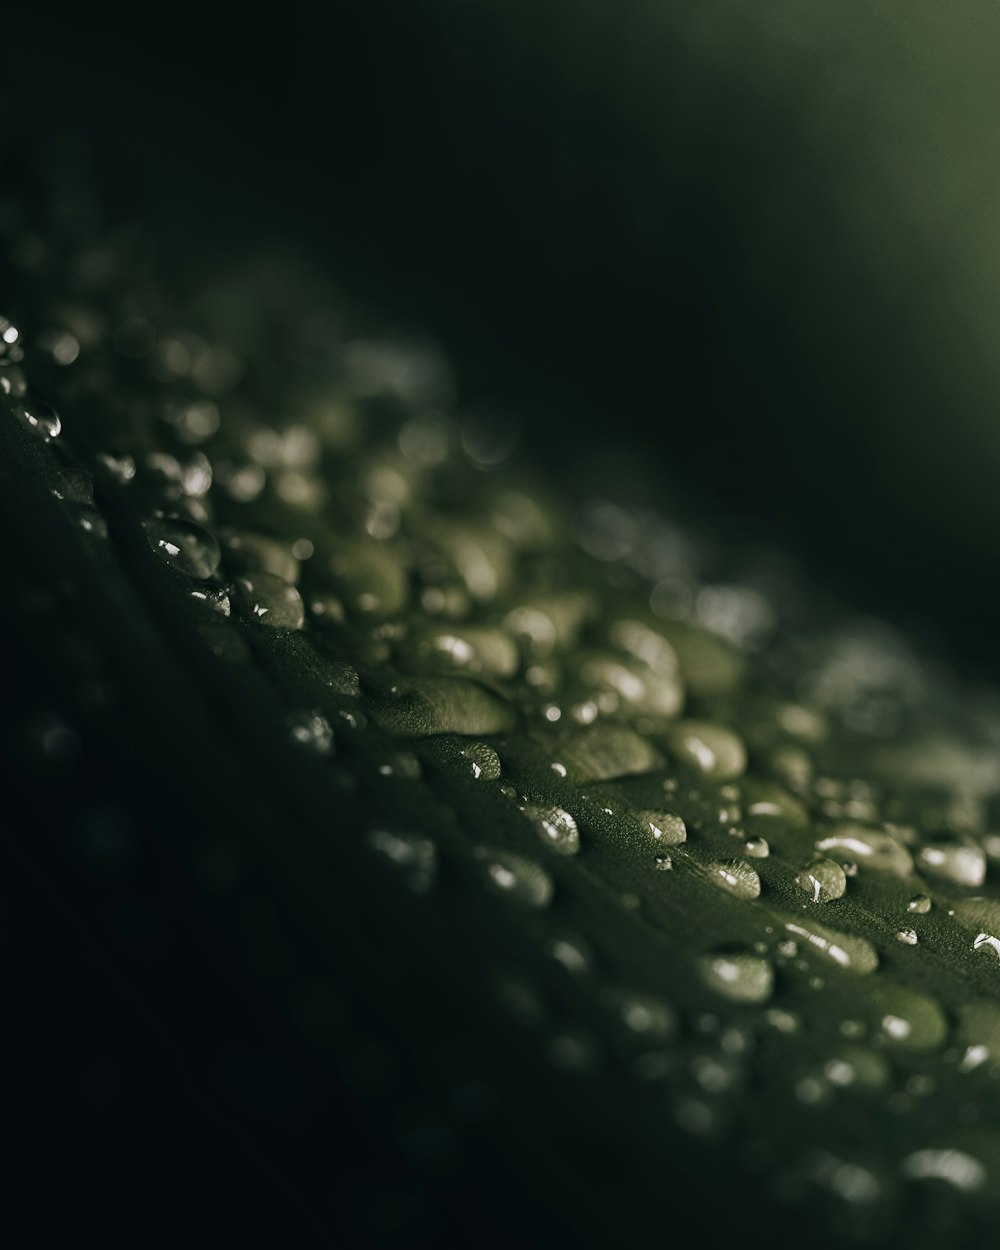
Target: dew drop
[(556, 828), (413, 855), (736, 877), (845, 950), (438, 705), (757, 848), (664, 828), (184, 545), (908, 937), (957, 861), (823, 880), (738, 975), (483, 762), (38, 419), (663, 863), (870, 847), (713, 750), (519, 879), (214, 598), (570, 954), (955, 1167), (270, 601), (312, 731), (920, 904), (643, 1015)]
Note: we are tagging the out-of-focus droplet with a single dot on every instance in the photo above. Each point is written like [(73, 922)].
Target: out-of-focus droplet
[(270, 600), (185, 545), (516, 877), (738, 976)]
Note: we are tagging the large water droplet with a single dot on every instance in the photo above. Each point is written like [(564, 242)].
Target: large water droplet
[(438, 705), (958, 861), (738, 976), (556, 827), (870, 847), (606, 751), (823, 880), (270, 601), (845, 950), (714, 750), (958, 1169), (520, 879), (185, 545), (736, 877)]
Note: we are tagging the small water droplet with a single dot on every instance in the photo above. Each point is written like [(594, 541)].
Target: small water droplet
[(738, 976), (665, 828), (736, 877), (312, 731), (184, 545), (413, 855), (758, 848), (483, 761), (556, 827), (213, 597), (663, 863), (571, 954), (908, 937), (920, 904), (270, 601), (823, 880), (515, 876)]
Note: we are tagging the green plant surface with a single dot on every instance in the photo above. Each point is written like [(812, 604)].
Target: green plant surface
[(599, 858)]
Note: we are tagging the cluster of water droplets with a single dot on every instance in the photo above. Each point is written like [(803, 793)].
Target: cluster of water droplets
[(629, 737)]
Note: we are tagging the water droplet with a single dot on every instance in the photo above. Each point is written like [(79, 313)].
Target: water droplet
[(665, 828), (184, 545), (906, 1018), (957, 1168), (483, 761), (312, 731), (845, 950), (438, 705), (957, 861), (757, 847), (257, 553), (270, 601), (38, 419), (783, 1021), (850, 1181), (871, 847), (73, 486), (606, 751), (518, 878), (920, 904), (736, 877), (823, 880), (213, 597), (982, 915), (663, 863), (643, 1015), (571, 954), (415, 856), (713, 750), (908, 937), (738, 976), (556, 827)]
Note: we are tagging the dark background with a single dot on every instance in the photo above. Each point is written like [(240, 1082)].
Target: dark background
[(755, 243), (757, 239)]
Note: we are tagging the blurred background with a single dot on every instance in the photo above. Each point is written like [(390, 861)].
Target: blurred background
[(756, 242), (758, 237)]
